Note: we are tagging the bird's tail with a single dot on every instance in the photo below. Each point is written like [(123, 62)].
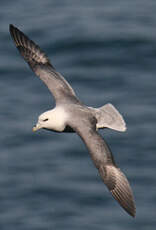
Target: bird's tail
[(109, 117)]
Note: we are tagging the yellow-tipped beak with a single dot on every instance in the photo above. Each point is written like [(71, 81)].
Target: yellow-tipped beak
[(35, 128)]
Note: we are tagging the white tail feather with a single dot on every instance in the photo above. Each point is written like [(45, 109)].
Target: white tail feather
[(109, 117)]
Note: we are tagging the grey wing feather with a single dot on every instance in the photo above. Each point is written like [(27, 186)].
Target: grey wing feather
[(103, 159), (41, 65), (119, 187)]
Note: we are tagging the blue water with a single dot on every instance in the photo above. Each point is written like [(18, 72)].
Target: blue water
[(107, 51)]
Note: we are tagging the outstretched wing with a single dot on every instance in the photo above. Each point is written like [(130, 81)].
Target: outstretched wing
[(40, 64), (102, 157)]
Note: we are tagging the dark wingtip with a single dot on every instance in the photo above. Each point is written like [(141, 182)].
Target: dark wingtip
[(30, 51), (119, 187), (13, 30), (11, 27), (133, 214), (129, 208)]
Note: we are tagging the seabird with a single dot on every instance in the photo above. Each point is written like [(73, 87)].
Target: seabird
[(71, 115)]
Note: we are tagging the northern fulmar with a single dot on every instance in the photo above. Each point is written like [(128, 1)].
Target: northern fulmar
[(71, 115)]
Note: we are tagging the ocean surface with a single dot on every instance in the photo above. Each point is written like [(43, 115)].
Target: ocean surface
[(107, 52)]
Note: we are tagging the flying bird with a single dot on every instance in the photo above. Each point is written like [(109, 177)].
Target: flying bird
[(71, 115)]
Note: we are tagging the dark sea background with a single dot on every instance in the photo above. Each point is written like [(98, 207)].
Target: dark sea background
[(107, 52)]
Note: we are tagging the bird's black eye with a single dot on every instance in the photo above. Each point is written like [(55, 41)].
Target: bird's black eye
[(45, 119)]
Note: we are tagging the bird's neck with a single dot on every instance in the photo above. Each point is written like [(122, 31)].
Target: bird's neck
[(59, 118)]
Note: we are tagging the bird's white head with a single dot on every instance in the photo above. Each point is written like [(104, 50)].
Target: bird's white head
[(54, 119)]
